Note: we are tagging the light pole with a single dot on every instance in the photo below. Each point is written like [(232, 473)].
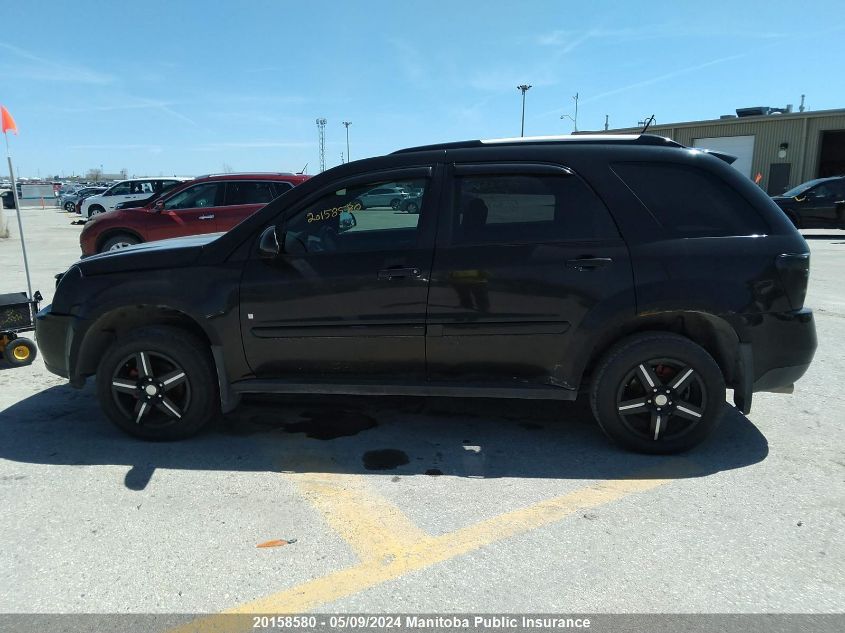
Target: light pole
[(346, 124), (523, 88), (575, 118)]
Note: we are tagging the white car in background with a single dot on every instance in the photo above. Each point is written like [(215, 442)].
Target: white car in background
[(124, 191)]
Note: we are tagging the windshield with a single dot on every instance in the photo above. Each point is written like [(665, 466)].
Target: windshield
[(797, 191)]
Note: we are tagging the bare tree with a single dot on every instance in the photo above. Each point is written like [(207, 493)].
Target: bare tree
[(94, 174), (227, 168)]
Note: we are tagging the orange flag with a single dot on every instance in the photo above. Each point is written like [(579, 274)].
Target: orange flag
[(8, 123)]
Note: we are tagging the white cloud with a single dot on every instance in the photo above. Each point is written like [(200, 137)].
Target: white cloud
[(212, 147), (663, 77), (27, 65)]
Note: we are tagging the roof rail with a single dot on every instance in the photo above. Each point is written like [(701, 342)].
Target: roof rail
[(586, 139), (251, 173)]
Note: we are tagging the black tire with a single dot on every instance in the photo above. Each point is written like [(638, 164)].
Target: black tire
[(70, 207), (139, 379), (118, 242), (19, 352), (394, 204), (95, 210), (670, 416), (412, 207)]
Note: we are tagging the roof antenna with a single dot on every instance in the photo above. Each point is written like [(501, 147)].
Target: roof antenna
[(299, 173), (647, 122)]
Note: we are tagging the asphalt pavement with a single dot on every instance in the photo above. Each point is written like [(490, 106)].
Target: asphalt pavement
[(413, 505)]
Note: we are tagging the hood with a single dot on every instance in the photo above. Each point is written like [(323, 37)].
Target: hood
[(172, 253)]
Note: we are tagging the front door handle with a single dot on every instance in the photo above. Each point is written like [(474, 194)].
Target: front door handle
[(398, 273), (206, 217), (588, 263)]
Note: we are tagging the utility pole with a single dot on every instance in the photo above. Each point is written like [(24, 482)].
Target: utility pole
[(523, 88), (346, 124), (575, 118), (606, 122), (801, 107), (321, 131)]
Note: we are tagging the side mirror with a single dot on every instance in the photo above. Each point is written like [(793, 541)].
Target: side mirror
[(159, 205), (268, 244), (347, 221)]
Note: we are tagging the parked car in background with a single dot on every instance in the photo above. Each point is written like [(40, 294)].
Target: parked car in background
[(69, 200), (411, 204), (126, 190), (645, 274), (815, 204), (8, 198), (208, 204), (382, 197), (142, 202)]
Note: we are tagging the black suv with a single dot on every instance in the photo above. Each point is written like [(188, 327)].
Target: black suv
[(646, 273)]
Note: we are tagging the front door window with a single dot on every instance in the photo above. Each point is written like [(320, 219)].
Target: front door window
[(341, 222)]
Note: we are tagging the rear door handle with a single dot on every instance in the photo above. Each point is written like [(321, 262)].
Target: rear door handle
[(398, 273), (588, 263), (206, 217)]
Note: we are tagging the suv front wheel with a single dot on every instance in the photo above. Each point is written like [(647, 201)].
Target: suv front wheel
[(658, 393), (158, 383)]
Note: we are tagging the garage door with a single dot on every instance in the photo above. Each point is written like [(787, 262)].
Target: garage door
[(740, 146)]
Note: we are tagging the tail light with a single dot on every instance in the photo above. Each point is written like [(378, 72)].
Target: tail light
[(794, 272)]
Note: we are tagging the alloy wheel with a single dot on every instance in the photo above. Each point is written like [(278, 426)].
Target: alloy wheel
[(661, 399), (151, 389)]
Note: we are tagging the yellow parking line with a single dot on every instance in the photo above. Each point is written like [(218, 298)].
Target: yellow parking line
[(374, 528), (421, 551)]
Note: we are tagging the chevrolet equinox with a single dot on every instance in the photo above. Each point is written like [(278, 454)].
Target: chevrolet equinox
[(649, 275)]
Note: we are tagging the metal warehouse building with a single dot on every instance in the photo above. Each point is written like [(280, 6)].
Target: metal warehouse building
[(785, 148)]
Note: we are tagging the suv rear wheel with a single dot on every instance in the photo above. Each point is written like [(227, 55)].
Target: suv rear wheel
[(158, 383), (658, 393), (95, 210)]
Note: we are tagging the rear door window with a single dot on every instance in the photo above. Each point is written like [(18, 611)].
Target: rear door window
[(690, 202), (503, 209), (248, 192), (282, 187), (144, 187), (161, 186)]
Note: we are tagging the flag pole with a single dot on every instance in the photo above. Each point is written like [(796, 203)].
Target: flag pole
[(18, 210)]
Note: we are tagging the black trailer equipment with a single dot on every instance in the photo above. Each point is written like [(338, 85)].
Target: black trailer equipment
[(17, 314)]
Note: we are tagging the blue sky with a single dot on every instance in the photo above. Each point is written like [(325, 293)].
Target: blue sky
[(187, 87)]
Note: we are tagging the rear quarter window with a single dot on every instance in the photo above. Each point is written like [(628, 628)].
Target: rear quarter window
[(690, 202)]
